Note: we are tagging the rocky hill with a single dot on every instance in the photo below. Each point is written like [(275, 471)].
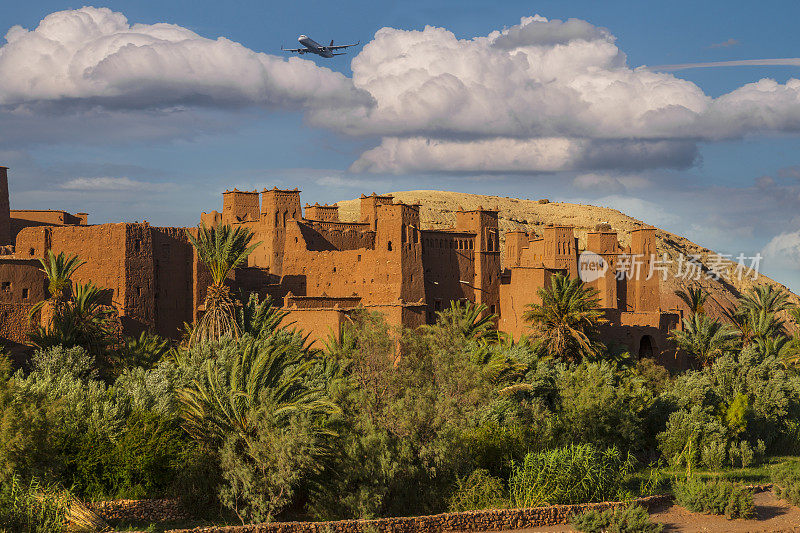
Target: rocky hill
[(438, 209)]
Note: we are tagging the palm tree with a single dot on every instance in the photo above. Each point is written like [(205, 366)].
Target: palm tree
[(794, 312), (143, 351), (704, 338), (221, 248), (58, 269), (82, 320), (694, 298), (567, 318), (792, 355), (765, 298), (262, 372), (470, 320), (259, 317)]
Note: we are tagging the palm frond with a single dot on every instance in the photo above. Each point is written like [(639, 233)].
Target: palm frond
[(567, 318)]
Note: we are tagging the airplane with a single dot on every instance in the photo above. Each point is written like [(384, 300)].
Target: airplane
[(313, 47)]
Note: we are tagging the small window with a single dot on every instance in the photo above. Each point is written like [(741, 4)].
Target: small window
[(138, 291), (5, 286), (32, 251), (24, 294), (437, 305), (359, 257), (334, 269), (137, 245), (389, 246)]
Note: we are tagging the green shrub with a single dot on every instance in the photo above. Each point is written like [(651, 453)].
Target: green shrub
[(630, 519), (262, 471), (601, 404), (573, 474), (786, 479), (688, 433), (714, 455), (32, 508), (742, 396), (716, 496), (478, 491)]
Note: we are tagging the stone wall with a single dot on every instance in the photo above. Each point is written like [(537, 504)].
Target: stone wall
[(486, 520), (158, 510)]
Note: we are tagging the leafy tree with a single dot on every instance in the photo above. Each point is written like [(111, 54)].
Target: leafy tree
[(264, 469), (567, 318), (704, 338), (694, 298), (221, 248)]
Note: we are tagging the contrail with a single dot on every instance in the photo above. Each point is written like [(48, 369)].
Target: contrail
[(785, 62)]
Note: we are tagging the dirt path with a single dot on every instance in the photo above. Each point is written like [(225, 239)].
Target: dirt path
[(774, 515)]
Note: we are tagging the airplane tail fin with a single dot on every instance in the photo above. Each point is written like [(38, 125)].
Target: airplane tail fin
[(331, 43)]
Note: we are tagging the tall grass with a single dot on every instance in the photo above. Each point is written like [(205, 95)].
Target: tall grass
[(37, 508), (573, 474), (32, 508)]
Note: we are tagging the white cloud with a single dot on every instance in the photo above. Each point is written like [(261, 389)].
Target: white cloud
[(422, 154), (512, 100), (92, 56), (540, 96), (784, 250), (113, 184)]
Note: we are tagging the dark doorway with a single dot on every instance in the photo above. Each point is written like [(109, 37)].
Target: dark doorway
[(646, 347)]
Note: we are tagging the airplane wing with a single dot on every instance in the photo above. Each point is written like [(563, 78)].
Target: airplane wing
[(341, 46)]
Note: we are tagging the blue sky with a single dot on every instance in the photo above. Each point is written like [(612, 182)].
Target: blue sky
[(728, 180)]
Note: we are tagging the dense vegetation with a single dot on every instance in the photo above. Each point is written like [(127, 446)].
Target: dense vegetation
[(245, 419)]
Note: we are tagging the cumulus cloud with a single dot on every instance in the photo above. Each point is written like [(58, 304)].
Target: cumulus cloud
[(94, 56), (784, 249), (544, 95), (540, 96), (504, 155)]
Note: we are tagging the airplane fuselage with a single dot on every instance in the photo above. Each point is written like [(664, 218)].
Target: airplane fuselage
[(313, 47)]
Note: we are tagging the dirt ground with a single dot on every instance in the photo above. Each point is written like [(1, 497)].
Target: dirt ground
[(773, 515)]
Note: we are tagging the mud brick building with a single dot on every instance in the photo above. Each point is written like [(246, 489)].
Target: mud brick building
[(321, 268)]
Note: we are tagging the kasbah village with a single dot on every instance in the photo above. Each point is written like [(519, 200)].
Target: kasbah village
[(322, 268)]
